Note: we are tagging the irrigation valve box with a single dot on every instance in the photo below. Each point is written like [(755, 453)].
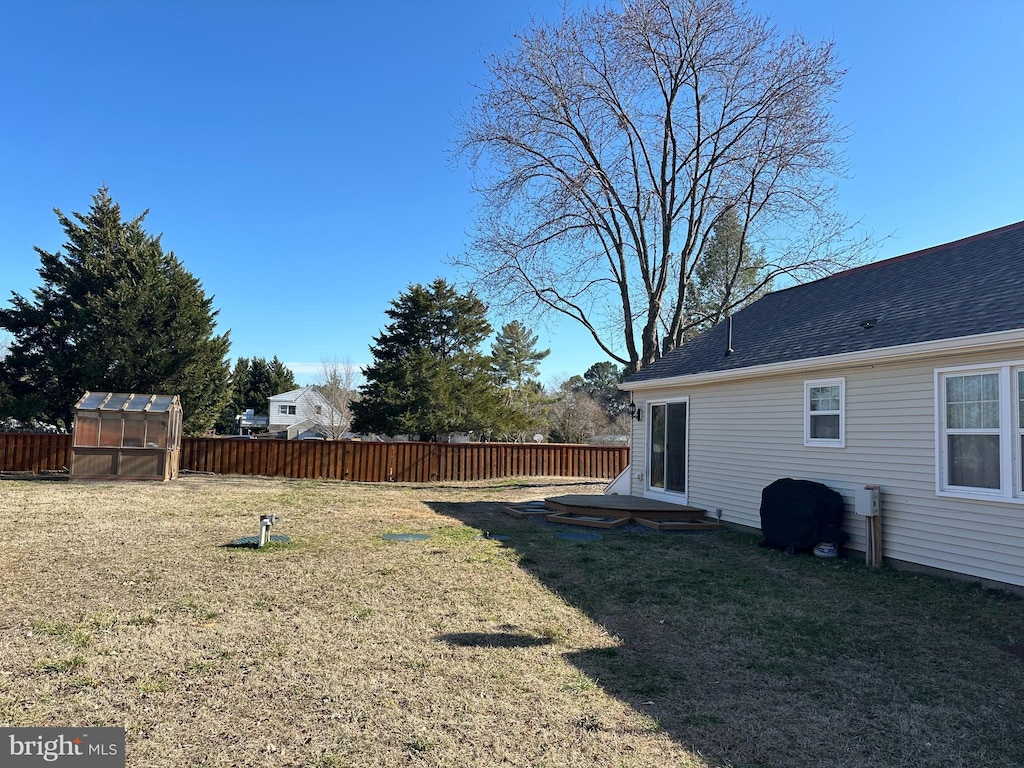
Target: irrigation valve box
[(866, 501)]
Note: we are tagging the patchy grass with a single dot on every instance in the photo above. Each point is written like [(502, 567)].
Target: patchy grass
[(123, 605)]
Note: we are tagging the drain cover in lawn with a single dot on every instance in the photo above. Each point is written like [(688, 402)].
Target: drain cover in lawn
[(253, 541), (406, 536), (579, 536)]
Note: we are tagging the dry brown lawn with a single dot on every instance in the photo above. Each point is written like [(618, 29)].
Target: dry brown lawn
[(123, 606)]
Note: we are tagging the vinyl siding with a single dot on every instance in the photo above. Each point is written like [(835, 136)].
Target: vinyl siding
[(284, 418), (305, 409), (744, 435)]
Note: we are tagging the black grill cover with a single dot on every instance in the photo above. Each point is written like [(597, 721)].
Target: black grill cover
[(798, 514)]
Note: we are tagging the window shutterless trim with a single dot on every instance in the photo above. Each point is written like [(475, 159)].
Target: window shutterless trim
[(820, 442), (1011, 483)]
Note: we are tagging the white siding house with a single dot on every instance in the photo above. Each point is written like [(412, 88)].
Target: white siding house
[(304, 413), (907, 374)]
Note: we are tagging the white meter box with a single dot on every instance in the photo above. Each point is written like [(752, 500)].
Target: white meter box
[(866, 501)]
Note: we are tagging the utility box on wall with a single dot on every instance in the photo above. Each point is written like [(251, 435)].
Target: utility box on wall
[(119, 436)]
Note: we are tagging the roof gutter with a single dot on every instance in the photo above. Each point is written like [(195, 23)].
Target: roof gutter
[(977, 343)]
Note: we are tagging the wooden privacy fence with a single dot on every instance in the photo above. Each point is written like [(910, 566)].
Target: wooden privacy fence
[(28, 452), (348, 460)]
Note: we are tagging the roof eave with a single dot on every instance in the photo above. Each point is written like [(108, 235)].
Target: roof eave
[(976, 343)]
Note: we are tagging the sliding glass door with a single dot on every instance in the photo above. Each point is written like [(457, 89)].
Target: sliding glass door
[(667, 470)]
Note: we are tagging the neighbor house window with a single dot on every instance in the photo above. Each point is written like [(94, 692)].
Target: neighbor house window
[(286, 410), (980, 431), (824, 416)]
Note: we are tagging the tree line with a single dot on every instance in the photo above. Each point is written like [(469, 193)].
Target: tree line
[(115, 312), (430, 378)]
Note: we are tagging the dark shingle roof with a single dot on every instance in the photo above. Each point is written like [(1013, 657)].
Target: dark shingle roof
[(968, 287)]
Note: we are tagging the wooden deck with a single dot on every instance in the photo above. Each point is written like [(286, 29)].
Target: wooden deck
[(621, 506), (611, 511)]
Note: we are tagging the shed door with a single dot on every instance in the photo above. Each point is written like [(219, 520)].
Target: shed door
[(667, 461)]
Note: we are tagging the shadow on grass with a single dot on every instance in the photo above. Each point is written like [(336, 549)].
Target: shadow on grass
[(754, 658), (276, 543), (494, 639), (44, 476)]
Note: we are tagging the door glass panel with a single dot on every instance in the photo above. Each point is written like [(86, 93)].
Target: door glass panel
[(657, 473), (1020, 398), (675, 450)]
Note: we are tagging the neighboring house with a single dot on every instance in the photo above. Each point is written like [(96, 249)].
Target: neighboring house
[(907, 374), (304, 413)]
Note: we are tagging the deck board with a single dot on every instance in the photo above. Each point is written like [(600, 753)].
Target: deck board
[(622, 506)]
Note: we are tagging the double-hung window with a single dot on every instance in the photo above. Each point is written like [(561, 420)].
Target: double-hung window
[(980, 431), (824, 412)]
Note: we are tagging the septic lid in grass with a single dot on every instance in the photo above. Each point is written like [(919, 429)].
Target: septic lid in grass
[(579, 536), (405, 536), (254, 541)]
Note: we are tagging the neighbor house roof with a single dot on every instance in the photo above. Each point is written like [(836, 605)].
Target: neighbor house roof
[(292, 394), (964, 288)]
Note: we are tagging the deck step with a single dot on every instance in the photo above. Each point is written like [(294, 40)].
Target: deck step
[(610, 511), (666, 524), (589, 521), (529, 509)]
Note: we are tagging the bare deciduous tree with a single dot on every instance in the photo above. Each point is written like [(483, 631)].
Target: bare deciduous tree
[(336, 381), (606, 147), (573, 415)]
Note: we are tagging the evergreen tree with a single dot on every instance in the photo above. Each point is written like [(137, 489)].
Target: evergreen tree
[(515, 357), (514, 363), (730, 275), (428, 377), (114, 313), (601, 381), (253, 382)]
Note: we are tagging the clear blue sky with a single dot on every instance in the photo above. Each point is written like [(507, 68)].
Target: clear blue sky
[(295, 155)]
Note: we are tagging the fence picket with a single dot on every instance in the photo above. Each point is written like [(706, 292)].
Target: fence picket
[(347, 460)]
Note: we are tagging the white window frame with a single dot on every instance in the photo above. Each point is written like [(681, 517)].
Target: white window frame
[(286, 410), (1011, 482), (661, 493), (819, 442), (1017, 428)]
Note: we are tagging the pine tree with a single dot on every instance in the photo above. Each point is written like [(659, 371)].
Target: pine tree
[(253, 382), (602, 381), (115, 313), (730, 275), (428, 377), (515, 364)]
